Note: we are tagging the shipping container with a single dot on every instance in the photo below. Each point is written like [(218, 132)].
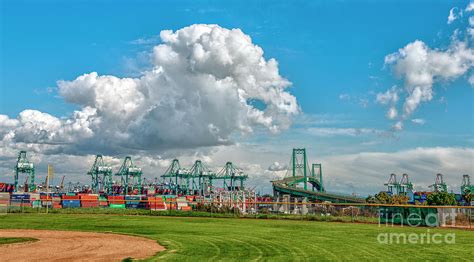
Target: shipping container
[(118, 206), (71, 203)]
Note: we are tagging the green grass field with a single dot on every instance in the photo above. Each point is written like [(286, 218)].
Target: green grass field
[(12, 240), (198, 239)]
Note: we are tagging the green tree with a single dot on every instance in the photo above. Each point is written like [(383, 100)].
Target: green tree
[(383, 198), (399, 200), (371, 199), (441, 199)]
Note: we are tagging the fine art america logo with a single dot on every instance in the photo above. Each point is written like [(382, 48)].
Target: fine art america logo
[(413, 220)]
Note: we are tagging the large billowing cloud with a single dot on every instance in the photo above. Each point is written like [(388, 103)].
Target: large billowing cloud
[(207, 84)]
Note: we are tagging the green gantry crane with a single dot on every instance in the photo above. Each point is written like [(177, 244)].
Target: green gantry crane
[(439, 185), (129, 172), (392, 185), (178, 176), (25, 167), (405, 187), (230, 175), (201, 177), (172, 171), (101, 175), (466, 186)]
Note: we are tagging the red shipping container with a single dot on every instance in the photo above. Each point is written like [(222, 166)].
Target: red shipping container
[(66, 197), (188, 208), (89, 204), (116, 199), (45, 197), (89, 197), (190, 198)]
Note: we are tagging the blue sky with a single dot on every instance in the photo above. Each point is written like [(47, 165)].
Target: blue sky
[(332, 51), (325, 48)]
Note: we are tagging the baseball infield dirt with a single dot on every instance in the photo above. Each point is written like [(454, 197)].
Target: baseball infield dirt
[(76, 246)]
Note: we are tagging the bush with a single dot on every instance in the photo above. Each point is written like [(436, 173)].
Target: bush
[(441, 199)]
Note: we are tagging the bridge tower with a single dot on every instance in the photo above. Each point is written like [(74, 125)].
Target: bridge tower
[(299, 164), (317, 170)]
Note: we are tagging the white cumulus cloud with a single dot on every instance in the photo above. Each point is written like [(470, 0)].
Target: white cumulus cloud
[(454, 14), (277, 166), (392, 113), (334, 131), (398, 126), (421, 67), (418, 121), (471, 80), (470, 7), (207, 84), (389, 97)]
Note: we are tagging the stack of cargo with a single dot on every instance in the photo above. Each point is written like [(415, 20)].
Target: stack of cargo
[(132, 201), (57, 202), (35, 200), (103, 201), (20, 199), (143, 203), (170, 201), (151, 191), (70, 200), (46, 200), (420, 196), (192, 201), (89, 200), (6, 188), (182, 204), (190, 198), (4, 200), (156, 203), (116, 201)]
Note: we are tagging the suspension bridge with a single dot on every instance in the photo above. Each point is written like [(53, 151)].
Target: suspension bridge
[(300, 181)]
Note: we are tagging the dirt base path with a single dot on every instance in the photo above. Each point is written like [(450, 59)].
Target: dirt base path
[(75, 246)]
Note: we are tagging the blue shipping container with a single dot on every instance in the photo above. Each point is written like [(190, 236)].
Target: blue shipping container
[(71, 203)]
